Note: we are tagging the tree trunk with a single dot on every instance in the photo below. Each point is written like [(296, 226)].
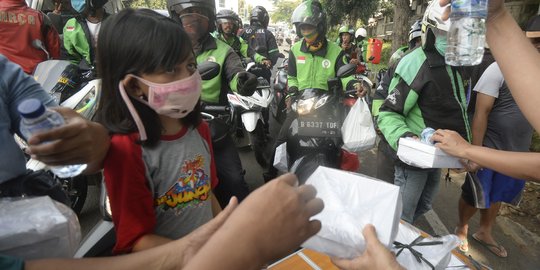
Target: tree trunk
[(401, 24)]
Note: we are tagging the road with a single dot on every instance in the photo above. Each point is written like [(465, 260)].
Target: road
[(523, 250)]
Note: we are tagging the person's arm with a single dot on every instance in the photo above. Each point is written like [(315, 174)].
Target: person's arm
[(52, 39), (484, 104), (173, 255), (396, 107), (519, 165), (282, 212), (232, 66), (382, 92), (273, 50), (519, 61), (292, 80)]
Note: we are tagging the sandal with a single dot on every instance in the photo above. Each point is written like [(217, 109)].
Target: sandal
[(463, 244), (496, 249)]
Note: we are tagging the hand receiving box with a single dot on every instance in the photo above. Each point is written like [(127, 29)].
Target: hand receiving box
[(418, 154), (350, 202)]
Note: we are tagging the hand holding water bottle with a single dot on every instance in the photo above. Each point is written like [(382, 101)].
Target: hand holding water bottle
[(495, 7)]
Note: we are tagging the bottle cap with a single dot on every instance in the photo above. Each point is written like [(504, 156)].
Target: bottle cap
[(31, 108)]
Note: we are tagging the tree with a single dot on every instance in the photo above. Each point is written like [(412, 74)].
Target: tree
[(349, 11), (283, 10), (402, 12)]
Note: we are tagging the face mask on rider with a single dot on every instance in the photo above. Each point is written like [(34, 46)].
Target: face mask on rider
[(440, 44), (195, 25), (310, 36), (175, 99)]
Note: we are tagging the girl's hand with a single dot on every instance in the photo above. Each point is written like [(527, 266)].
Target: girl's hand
[(495, 7), (450, 142)]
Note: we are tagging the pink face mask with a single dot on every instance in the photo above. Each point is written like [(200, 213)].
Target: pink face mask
[(175, 99)]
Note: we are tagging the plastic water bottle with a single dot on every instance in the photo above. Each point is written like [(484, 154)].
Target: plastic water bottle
[(36, 118), (467, 34), (426, 135)]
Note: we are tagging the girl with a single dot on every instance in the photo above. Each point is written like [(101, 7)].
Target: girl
[(159, 170)]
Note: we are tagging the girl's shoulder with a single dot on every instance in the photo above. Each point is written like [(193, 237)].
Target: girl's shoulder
[(125, 141)]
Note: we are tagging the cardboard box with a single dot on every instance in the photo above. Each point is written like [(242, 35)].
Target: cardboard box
[(418, 154), (350, 202)]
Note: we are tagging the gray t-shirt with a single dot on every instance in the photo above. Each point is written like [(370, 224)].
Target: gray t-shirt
[(507, 128)]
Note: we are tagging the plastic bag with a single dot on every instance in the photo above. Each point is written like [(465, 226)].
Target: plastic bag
[(438, 255), (38, 227), (350, 202), (358, 131), (281, 159)]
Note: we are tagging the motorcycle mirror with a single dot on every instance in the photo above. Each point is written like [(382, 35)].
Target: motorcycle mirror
[(208, 70), (38, 44), (346, 70), (371, 58), (281, 55), (289, 41)]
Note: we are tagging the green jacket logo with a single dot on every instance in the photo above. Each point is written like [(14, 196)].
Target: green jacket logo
[(326, 63)]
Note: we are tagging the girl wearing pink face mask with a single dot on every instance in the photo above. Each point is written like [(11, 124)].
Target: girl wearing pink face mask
[(159, 170)]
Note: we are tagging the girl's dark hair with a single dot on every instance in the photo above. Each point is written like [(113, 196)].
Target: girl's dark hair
[(138, 42)]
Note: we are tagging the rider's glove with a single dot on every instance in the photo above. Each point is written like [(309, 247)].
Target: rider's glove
[(292, 91), (247, 83)]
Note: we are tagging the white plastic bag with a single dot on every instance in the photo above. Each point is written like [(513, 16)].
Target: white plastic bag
[(281, 159), (358, 131), (350, 202), (437, 255), (38, 227)]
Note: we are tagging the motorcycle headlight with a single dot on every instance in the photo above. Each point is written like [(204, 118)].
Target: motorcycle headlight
[(305, 106), (87, 106), (321, 102)]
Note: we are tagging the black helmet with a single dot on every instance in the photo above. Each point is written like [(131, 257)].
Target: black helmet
[(175, 7), (225, 15), (259, 14), (416, 30), (310, 12)]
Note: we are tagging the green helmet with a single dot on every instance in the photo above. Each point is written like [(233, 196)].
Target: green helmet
[(310, 12)]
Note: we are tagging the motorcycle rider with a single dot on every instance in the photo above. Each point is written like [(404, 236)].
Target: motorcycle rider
[(312, 61), (198, 17), (361, 50), (81, 32), (261, 40), (228, 24), (346, 43), (385, 154), (424, 92), (19, 31)]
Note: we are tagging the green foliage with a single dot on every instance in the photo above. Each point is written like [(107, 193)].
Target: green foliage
[(284, 10), (339, 11), (535, 143), (152, 4)]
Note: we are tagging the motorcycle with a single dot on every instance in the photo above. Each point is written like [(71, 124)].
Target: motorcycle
[(314, 137), (252, 110), (278, 106), (72, 88)]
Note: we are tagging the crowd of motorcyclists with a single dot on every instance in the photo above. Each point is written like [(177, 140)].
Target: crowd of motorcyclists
[(148, 112)]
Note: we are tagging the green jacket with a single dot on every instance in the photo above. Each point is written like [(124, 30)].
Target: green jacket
[(240, 46), (76, 37), (312, 70), (215, 50), (424, 92)]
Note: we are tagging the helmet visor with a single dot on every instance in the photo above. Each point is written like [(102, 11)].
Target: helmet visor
[(303, 14)]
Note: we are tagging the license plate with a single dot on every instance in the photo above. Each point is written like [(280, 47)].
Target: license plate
[(315, 127)]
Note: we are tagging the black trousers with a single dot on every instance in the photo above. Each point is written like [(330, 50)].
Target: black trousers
[(229, 171), (272, 172), (385, 161)]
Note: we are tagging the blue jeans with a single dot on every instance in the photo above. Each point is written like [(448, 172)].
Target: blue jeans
[(417, 188)]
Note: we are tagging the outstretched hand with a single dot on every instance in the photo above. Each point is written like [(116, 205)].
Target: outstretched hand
[(78, 141), (376, 256), (450, 142)]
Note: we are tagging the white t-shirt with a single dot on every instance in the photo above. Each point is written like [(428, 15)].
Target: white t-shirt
[(491, 81), (94, 30)]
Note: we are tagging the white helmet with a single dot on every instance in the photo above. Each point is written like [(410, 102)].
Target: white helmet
[(432, 25), (361, 32)]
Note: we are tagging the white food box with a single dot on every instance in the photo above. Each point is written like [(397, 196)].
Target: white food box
[(418, 154), (352, 201)]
